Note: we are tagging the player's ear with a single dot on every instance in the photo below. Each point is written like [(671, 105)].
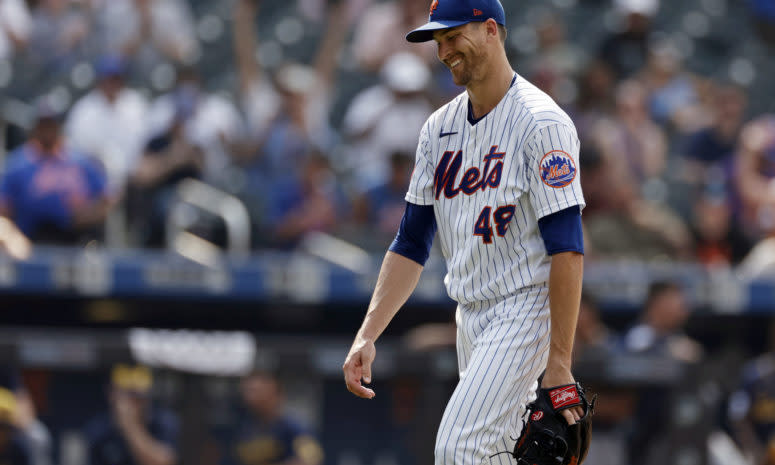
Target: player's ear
[(491, 29)]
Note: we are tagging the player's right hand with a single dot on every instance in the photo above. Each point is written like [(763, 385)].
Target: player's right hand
[(357, 367)]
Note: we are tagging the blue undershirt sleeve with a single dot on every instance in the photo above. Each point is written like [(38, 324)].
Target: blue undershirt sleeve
[(415, 235), (562, 231)]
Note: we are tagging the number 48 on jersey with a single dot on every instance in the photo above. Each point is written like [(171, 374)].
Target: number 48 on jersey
[(501, 217)]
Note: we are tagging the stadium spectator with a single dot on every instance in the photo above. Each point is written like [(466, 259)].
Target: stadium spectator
[(674, 99), (625, 225), (148, 32), (556, 62), (755, 175), (595, 343), (661, 328), (709, 151), (315, 10), (750, 411), (15, 25), (309, 201), (381, 208), (110, 122), (627, 50), (718, 239), (49, 191), (376, 121), (375, 39), (209, 121), (595, 98), (133, 431), (659, 334), (287, 116), (59, 34), (593, 337), (33, 436), (13, 449), (266, 434), (169, 158), (629, 140)]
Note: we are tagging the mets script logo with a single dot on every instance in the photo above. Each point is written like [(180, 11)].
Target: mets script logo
[(434, 5), (557, 169), (564, 396), (473, 179)]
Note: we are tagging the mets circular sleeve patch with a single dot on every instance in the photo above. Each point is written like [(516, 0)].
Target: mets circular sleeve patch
[(557, 169)]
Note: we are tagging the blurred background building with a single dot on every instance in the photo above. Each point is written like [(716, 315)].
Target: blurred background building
[(195, 196)]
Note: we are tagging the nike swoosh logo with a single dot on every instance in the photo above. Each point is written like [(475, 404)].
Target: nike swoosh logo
[(445, 134)]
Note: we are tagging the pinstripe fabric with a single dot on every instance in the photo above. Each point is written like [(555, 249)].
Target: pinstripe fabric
[(489, 183), (502, 349), (525, 126)]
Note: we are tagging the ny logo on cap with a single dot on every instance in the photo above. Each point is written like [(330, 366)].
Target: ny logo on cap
[(434, 5)]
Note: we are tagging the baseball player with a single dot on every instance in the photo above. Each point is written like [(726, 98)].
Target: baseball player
[(496, 172)]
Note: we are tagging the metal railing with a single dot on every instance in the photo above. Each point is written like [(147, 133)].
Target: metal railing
[(193, 195)]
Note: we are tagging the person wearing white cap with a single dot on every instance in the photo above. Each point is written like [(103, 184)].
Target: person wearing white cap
[(386, 118)]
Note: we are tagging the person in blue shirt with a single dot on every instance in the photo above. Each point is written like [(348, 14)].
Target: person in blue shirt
[(308, 200), (266, 434), (382, 207), (134, 431), (50, 193)]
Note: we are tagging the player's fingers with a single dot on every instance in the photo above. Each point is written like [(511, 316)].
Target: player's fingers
[(360, 390), (573, 415), (354, 385), (353, 372), (570, 418)]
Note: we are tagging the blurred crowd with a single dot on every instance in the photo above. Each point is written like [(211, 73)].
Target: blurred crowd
[(658, 392), (133, 427), (126, 101)]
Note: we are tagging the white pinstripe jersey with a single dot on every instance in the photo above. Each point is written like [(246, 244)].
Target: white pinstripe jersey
[(490, 182)]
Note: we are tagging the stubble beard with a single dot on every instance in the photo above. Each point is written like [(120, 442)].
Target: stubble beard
[(463, 74), (462, 77)]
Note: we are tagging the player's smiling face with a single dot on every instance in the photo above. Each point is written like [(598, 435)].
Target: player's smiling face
[(462, 50)]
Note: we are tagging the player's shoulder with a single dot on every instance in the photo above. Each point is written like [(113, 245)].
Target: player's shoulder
[(535, 107)]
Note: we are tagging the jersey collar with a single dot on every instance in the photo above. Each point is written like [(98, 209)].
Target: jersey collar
[(471, 120)]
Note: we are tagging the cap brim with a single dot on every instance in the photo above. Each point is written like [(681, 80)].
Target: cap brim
[(425, 33)]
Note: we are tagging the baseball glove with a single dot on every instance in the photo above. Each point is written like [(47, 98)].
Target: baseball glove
[(546, 437)]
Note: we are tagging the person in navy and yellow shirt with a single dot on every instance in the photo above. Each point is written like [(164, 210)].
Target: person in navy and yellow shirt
[(13, 448), (51, 194), (266, 434), (134, 431)]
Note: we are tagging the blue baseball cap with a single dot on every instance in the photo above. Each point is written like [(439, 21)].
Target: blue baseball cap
[(451, 13), (110, 66)]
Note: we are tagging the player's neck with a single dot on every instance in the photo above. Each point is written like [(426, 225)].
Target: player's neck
[(484, 95)]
